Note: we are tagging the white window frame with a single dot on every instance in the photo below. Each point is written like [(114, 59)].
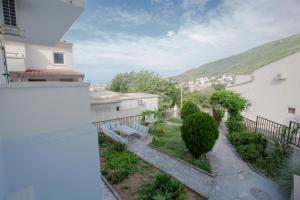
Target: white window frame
[(58, 52)]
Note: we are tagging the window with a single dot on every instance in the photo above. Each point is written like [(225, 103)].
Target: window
[(118, 108), (58, 58), (9, 12), (291, 110)]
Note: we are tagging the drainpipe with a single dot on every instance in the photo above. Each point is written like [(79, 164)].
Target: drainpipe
[(5, 75)]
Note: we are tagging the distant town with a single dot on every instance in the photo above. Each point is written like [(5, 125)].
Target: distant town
[(205, 82)]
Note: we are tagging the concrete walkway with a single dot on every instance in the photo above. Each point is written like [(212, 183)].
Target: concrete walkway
[(234, 179), (199, 182)]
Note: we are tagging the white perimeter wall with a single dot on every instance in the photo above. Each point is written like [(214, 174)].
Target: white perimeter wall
[(270, 97), (50, 148), (22, 56), (101, 112)]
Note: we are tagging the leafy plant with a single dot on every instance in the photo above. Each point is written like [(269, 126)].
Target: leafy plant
[(245, 138), (157, 129), (119, 163), (286, 177), (199, 131), (233, 102), (175, 120), (170, 142), (251, 152), (235, 124), (118, 147), (162, 187), (189, 108)]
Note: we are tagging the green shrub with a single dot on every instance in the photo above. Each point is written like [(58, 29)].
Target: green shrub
[(286, 176), (175, 120), (162, 187), (251, 152), (119, 163), (189, 108), (233, 102), (202, 163), (157, 129), (235, 124), (118, 147), (244, 138), (199, 132)]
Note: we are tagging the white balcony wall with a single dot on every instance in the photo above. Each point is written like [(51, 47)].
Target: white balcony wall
[(50, 148)]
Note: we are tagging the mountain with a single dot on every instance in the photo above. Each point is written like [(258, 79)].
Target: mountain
[(246, 62)]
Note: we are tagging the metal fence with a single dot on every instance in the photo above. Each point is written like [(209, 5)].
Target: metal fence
[(123, 121), (250, 124), (295, 133), (275, 131)]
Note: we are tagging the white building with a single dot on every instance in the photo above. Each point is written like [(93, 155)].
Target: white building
[(273, 90), (35, 62), (107, 105), (48, 147)]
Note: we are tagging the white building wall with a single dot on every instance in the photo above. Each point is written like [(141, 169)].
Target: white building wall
[(270, 97), (106, 111), (22, 56), (3, 183), (50, 148)]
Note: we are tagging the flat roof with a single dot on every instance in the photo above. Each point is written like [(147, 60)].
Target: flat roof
[(46, 73), (106, 97)]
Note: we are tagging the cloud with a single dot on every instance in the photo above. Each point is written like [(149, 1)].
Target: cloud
[(170, 33), (231, 28)]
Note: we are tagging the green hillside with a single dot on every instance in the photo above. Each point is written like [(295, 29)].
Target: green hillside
[(246, 62)]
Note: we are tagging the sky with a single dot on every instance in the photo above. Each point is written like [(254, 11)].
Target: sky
[(172, 36)]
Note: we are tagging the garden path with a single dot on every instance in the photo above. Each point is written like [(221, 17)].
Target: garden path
[(234, 178), (192, 178)]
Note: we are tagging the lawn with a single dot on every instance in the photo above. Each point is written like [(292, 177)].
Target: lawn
[(168, 140), (134, 178)]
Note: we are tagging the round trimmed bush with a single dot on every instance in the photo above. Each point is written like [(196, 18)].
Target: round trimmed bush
[(199, 132), (189, 108)]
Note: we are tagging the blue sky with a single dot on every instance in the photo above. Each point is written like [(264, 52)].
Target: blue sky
[(172, 36)]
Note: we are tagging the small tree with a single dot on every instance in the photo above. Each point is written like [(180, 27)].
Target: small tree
[(189, 108), (199, 132), (234, 103)]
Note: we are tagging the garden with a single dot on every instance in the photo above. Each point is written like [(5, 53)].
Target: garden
[(270, 158), (134, 178)]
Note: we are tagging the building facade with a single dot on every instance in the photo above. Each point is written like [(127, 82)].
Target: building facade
[(33, 62), (272, 90), (48, 146), (107, 105)]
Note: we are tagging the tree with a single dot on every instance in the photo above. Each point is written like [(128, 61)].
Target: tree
[(199, 132), (188, 108), (234, 103), (147, 82)]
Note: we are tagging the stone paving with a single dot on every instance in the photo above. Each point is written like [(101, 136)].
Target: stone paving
[(234, 179)]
